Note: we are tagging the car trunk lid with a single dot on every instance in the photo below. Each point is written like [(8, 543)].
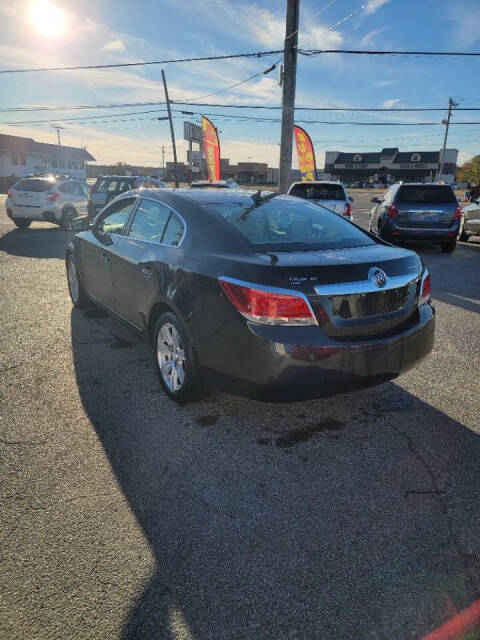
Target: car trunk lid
[(346, 289)]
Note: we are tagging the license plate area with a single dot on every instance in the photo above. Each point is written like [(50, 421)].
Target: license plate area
[(365, 305)]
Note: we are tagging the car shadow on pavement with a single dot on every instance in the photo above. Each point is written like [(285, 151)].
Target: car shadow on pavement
[(35, 243), (347, 517)]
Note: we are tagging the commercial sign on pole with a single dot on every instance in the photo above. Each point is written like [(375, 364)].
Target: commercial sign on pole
[(211, 149), (192, 132), (306, 154)]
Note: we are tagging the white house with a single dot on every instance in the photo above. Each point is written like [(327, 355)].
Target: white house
[(21, 156)]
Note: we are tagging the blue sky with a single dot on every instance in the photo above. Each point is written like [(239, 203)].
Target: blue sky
[(108, 31)]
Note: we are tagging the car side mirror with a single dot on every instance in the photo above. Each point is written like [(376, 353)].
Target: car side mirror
[(375, 200), (101, 235), (351, 199), (81, 223)]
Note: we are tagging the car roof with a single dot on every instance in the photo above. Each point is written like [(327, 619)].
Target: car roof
[(316, 182)]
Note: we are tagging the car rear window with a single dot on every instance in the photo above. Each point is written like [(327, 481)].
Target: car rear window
[(318, 191), (114, 185), (34, 185), (285, 224), (428, 194)]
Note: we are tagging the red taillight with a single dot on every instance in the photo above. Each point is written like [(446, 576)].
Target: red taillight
[(425, 290), (348, 210), (268, 307), (392, 211), (458, 213), (9, 193), (52, 197)]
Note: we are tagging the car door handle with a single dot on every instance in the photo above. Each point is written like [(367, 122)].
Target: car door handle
[(148, 272), (105, 258)]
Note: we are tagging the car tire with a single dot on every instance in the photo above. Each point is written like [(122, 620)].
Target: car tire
[(463, 235), (22, 223), (75, 288), (181, 379), (68, 214), (449, 247)]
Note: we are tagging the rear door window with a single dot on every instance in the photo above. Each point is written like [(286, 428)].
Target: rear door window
[(318, 191), (426, 194), (34, 185), (174, 231), (149, 221)]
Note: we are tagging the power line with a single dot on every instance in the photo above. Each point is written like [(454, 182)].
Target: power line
[(237, 84), (316, 52), (256, 54), (262, 106), (94, 107), (107, 115)]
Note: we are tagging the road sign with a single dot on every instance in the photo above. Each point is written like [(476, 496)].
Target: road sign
[(193, 157), (192, 132)]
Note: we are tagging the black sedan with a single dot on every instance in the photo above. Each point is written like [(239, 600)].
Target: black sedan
[(263, 296)]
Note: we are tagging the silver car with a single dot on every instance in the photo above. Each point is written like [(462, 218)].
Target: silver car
[(331, 195), (46, 198)]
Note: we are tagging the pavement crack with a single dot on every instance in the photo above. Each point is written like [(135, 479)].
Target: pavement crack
[(464, 557)]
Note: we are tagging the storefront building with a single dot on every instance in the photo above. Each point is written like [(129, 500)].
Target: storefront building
[(390, 165)]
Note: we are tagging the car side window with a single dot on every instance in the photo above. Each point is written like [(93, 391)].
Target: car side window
[(174, 231), (149, 221), (114, 219), (64, 188)]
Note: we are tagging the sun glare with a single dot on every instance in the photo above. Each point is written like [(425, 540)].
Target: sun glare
[(47, 19)]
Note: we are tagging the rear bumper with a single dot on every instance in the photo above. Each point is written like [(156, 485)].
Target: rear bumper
[(52, 214), (394, 233), (295, 363)]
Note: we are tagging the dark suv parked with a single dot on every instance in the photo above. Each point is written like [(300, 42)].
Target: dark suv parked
[(108, 187), (417, 213)]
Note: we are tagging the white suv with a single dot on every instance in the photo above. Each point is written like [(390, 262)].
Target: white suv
[(331, 195), (54, 199)]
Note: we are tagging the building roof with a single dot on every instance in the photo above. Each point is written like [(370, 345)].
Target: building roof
[(27, 145)]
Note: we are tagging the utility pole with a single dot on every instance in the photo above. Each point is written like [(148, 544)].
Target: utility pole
[(288, 99), (171, 128), (57, 127), (451, 105), (163, 162)]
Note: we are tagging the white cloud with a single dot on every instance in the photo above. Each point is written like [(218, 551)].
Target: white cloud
[(369, 39), (114, 45), (466, 21), (389, 104), (374, 5)]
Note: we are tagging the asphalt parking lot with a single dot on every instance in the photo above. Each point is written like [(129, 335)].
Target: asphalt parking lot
[(126, 516)]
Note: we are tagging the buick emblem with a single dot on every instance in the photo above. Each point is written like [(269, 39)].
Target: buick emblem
[(378, 277)]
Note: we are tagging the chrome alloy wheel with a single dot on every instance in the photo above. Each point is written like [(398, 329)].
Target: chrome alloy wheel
[(72, 280), (171, 357)]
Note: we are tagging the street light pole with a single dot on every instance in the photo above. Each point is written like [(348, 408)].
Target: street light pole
[(451, 105), (288, 99), (172, 132)]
